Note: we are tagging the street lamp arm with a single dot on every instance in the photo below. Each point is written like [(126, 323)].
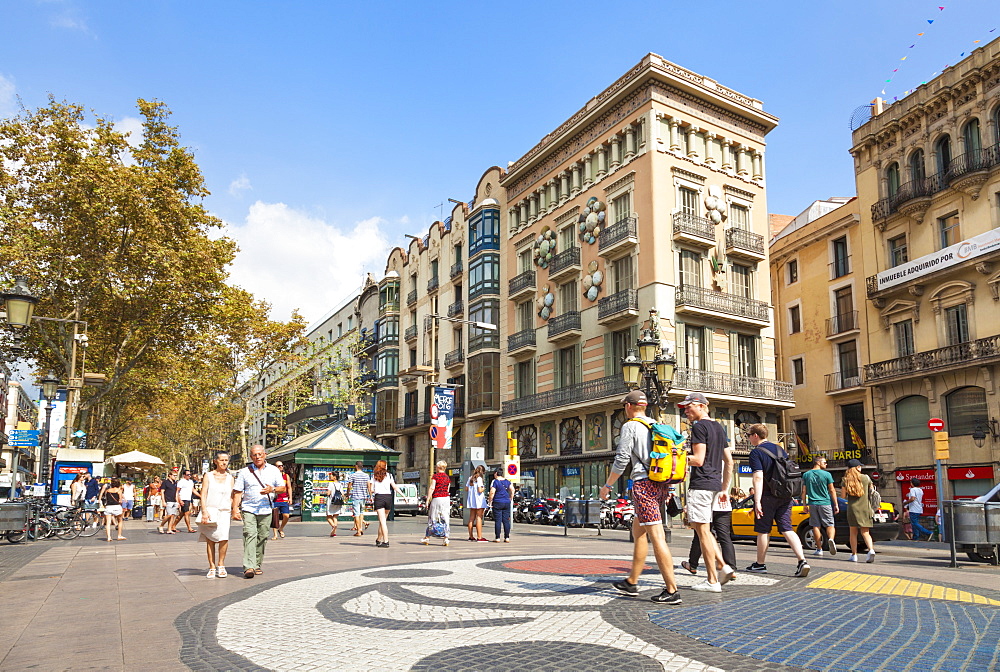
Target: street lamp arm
[(57, 319), (485, 326)]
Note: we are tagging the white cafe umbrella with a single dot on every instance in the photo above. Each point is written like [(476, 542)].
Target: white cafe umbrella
[(135, 458)]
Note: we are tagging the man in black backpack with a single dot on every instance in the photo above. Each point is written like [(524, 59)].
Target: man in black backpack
[(773, 493)]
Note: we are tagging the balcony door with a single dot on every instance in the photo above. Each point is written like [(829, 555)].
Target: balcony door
[(690, 269), (844, 302), (847, 360)]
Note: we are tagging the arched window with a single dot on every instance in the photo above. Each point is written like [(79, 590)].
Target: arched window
[(912, 414), (973, 143), (943, 149), (966, 406), (917, 172), (892, 179)]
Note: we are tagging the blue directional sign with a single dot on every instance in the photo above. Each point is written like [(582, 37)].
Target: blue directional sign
[(24, 437)]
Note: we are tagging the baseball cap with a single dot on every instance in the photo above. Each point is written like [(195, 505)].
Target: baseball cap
[(854, 463), (635, 397), (693, 398)]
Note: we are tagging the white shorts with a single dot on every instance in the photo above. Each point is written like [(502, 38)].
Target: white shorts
[(156, 500), (113, 510), (699, 505), (172, 509)]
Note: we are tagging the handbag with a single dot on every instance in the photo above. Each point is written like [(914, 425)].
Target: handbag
[(875, 499), (337, 497), (201, 521), (673, 509)]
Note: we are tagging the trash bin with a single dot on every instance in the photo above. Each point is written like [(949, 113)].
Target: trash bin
[(13, 516), (582, 513), (969, 522), (993, 523)]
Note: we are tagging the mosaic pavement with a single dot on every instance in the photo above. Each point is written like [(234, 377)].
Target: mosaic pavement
[(560, 613)]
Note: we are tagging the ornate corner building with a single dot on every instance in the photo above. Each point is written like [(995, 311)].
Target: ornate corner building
[(928, 179)]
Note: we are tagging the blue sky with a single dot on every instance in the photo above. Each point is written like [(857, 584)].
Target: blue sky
[(327, 130)]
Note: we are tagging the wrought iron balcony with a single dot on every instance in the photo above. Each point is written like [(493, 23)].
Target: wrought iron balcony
[(522, 283), (694, 229), (454, 359), (592, 390), (367, 342), (456, 309), (416, 420), (565, 263), (411, 298), (840, 267), (521, 341), (743, 243), (720, 302), (433, 284), (843, 380), (981, 351), (620, 305), (620, 236), (713, 382), (367, 377), (838, 324), (456, 269), (566, 325), (366, 420), (410, 334)]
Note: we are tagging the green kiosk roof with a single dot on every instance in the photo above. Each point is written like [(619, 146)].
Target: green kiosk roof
[(334, 442)]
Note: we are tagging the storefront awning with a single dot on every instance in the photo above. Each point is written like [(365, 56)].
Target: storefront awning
[(483, 426)]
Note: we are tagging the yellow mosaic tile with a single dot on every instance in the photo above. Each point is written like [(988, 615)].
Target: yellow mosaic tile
[(886, 585)]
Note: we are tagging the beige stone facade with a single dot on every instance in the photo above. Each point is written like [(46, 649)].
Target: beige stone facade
[(928, 177), (651, 195)]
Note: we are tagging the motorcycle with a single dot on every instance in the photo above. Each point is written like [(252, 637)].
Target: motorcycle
[(607, 520), (545, 510), (623, 513), (422, 506), (524, 512), (456, 507)]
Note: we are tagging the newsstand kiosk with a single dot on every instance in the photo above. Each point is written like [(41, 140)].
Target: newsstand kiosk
[(69, 463)]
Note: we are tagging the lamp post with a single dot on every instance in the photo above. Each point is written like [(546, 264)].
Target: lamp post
[(653, 367), (984, 427), (50, 388)]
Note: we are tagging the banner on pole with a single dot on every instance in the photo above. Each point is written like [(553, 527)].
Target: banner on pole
[(442, 417)]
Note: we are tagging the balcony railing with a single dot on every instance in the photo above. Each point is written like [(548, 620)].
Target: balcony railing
[(699, 297), (454, 358), (982, 351), (521, 282), (622, 230), (389, 380), (433, 284), (456, 269), (456, 309), (367, 342), (367, 377), (592, 390), (838, 324), (388, 307), (417, 420), (568, 321), (840, 267), (692, 225), (843, 380), (410, 333), (565, 260), (487, 339), (521, 339), (727, 383), (624, 301), (411, 298), (747, 241)]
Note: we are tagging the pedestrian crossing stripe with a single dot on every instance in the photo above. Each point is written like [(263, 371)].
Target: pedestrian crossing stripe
[(888, 585)]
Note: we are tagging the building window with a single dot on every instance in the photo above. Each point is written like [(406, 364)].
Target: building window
[(841, 259), (616, 347), (973, 143), (852, 417), (458, 253), (892, 179), (917, 170), (690, 269), (621, 207), (912, 414), (388, 296), (411, 450), (484, 275), (956, 320), (387, 331), (742, 283), (568, 366), (904, 338), (525, 315), (524, 378), (484, 231), (739, 216), (623, 272), (693, 346), (950, 231), (387, 364), (483, 392), (966, 408), (943, 149), (524, 262), (802, 436), (794, 320), (567, 237), (689, 201), (411, 401), (798, 371), (844, 305), (570, 436), (568, 300), (793, 271), (847, 360), (488, 311), (747, 355), (898, 251)]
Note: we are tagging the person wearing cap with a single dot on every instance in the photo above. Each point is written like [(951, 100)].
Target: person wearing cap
[(769, 509), (708, 485), (635, 444), (856, 490)]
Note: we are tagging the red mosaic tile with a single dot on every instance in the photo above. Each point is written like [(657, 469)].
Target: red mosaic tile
[(573, 566)]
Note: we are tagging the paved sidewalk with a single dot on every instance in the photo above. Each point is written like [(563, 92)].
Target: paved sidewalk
[(541, 602)]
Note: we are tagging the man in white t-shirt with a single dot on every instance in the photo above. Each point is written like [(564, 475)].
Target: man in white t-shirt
[(185, 490), (915, 504), (253, 499)]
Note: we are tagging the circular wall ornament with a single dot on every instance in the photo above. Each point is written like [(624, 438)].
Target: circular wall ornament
[(715, 207), (592, 281), (591, 220), (545, 247), (546, 302)]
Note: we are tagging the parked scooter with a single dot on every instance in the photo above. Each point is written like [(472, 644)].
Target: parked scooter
[(623, 513)]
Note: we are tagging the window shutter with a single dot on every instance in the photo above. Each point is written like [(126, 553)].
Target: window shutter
[(734, 353), (578, 362), (680, 344), (557, 369), (758, 353), (707, 350), (609, 355)]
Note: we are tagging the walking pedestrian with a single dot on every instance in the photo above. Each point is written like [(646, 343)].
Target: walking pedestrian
[(722, 530), (196, 497), (128, 498), (78, 490), (91, 492), (475, 502), (769, 508), (860, 517), (635, 443), (359, 489), (820, 500), (903, 518), (171, 508), (914, 504), (438, 505), (500, 498), (185, 492), (216, 514), (334, 502), (253, 502), (111, 498), (383, 486), (708, 487), (154, 498), (282, 503)]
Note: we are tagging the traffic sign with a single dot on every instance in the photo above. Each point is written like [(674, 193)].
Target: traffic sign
[(935, 424), (941, 446), (875, 476)]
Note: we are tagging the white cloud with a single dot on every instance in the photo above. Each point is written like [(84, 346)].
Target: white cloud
[(131, 128), (70, 18), (293, 260), (8, 98), (239, 185)]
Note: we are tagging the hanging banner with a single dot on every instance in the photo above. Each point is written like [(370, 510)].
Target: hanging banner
[(442, 417), (958, 253)]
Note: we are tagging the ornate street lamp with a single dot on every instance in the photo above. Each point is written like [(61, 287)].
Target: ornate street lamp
[(654, 366), (50, 388), (20, 304), (983, 428)]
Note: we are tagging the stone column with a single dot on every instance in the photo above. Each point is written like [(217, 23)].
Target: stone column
[(692, 133), (602, 162), (533, 207), (645, 128), (741, 160), (524, 210), (710, 147), (553, 199), (616, 151), (727, 154), (588, 170), (758, 166), (576, 179), (563, 186), (629, 141), (675, 140)]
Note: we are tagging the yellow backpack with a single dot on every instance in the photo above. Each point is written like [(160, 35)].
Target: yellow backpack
[(668, 459)]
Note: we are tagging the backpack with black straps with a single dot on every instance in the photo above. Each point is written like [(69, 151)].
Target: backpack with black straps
[(785, 479), (668, 459)]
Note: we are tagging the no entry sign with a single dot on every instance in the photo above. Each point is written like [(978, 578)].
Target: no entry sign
[(936, 424)]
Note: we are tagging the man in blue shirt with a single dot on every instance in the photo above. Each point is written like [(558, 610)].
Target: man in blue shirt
[(253, 499)]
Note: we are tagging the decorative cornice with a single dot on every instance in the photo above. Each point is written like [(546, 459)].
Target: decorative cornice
[(688, 175), (617, 184), (569, 214), (737, 192)]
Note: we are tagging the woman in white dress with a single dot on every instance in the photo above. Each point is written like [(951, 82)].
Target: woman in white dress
[(334, 502), (475, 502), (216, 507)]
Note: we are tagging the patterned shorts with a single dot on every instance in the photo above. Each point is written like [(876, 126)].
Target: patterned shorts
[(647, 497)]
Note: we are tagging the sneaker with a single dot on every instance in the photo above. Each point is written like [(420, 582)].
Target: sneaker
[(818, 553), (853, 558), (831, 546), (706, 587), (666, 597), (726, 574), (483, 539), (424, 541), (627, 588), (871, 557), (757, 567), (688, 566), (802, 571)]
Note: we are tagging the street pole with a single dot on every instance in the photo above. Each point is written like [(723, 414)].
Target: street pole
[(939, 475), (44, 452)]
